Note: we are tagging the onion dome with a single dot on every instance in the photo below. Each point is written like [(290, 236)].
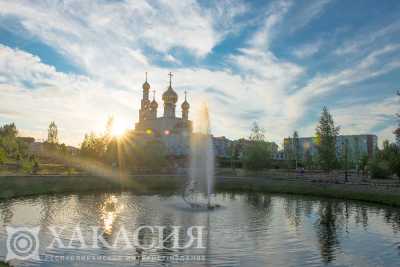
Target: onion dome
[(170, 96), (146, 103), (146, 85), (185, 104), (153, 104)]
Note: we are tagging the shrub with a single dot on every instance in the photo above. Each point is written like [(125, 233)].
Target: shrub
[(380, 169), (395, 165), (3, 156), (27, 166), (256, 156)]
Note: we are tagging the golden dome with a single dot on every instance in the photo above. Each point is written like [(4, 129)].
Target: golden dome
[(154, 104), (185, 105), (146, 103), (170, 96), (146, 86)]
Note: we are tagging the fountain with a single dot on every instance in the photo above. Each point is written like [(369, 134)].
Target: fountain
[(201, 176)]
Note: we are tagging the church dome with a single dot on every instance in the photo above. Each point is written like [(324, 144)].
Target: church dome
[(154, 104), (146, 86), (146, 103), (185, 105), (170, 96)]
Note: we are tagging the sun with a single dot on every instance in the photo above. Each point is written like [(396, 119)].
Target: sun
[(118, 129)]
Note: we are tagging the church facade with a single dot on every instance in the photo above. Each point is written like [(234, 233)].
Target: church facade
[(174, 132)]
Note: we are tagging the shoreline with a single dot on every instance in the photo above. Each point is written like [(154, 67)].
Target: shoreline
[(21, 186)]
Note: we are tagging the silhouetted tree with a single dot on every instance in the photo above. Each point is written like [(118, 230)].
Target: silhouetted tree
[(93, 146), (52, 133)]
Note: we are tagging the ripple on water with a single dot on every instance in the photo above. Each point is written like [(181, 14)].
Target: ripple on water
[(249, 229)]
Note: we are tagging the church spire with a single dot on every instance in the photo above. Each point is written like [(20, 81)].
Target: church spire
[(170, 98), (185, 108), (154, 106), (170, 79)]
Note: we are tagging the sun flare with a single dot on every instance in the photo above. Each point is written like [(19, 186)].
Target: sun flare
[(118, 129)]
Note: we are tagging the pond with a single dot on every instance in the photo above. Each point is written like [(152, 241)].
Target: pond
[(248, 230)]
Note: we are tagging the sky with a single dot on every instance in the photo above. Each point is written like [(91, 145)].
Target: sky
[(276, 63)]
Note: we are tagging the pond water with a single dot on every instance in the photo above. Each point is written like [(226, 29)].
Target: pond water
[(248, 230)]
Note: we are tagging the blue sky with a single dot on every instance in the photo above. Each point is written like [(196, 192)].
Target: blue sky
[(274, 62)]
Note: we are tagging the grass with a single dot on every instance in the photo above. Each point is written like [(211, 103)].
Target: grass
[(4, 264), (381, 195), (16, 186)]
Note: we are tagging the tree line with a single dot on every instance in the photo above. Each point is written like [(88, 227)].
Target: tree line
[(383, 164)]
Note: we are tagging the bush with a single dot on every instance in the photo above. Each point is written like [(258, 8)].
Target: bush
[(256, 156), (380, 169), (395, 165), (27, 166), (3, 156)]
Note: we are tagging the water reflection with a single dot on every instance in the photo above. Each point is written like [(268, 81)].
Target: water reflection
[(327, 226), (259, 228), (109, 212)]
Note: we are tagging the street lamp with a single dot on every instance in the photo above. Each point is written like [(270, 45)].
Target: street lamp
[(345, 155)]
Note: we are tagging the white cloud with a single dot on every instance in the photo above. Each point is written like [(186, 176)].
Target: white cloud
[(110, 41), (367, 37), (37, 94), (308, 12), (171, 58), (274, 15), (307, 50)]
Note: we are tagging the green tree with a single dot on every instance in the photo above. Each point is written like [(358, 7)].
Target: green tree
[(10, 144), (293, 150), (327, 133), (52, 133), (256, 156), (308, 159), (3, 155), (93, 146), (8, 130), (257, 152), (397, 131), (257, 133)]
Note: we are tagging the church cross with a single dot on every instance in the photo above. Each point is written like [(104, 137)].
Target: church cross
[(185, 95), (170, 77), (154, 94), (146, 76)]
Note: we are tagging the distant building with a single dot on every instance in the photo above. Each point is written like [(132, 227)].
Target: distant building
[(357, 146), (222, 147)]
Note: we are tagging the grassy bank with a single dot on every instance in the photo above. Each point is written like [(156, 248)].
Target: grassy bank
[(375, 194), (16, 186), (35, 185)]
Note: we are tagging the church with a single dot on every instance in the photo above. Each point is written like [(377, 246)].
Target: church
[(174, 132)]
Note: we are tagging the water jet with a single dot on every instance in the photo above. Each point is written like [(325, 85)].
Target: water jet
[(201, 175)]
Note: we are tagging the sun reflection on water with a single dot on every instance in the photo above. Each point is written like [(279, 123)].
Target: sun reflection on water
[(109, 212)]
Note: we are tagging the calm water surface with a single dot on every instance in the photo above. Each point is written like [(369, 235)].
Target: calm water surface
[(250, 229)]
